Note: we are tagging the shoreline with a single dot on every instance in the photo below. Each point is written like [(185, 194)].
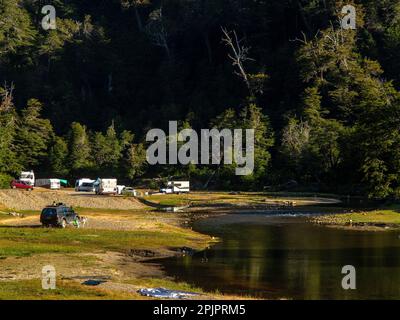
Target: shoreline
[(369, 220), (102, 249)]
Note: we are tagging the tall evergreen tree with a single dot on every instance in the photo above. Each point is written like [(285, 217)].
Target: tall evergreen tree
[(8, 123), (78, 148), (135, 162), (107, 150), (58, 157), (16, 30), (33, 135)]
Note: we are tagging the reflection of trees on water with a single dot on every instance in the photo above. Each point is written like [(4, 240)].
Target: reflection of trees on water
[(295, 261)]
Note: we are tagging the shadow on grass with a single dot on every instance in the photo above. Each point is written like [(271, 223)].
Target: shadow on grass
[(22, 227)]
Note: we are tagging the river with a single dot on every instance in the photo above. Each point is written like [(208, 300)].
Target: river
[(274, 257)]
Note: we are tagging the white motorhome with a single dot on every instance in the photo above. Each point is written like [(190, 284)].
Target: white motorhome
[(85, 184), (176, 187), (106, 186), (28, 177), (53, 184)]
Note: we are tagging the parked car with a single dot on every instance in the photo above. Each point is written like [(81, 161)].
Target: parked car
[(59, 215), (129, 191), (18, 184), (176, 187), (84, 184), (86, 187)]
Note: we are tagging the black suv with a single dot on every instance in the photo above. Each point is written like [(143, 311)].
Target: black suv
[(59, 215)]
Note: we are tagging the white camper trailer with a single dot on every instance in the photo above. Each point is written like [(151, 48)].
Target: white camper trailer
[(176, 187), (106, 186), (28, 177), (53, 184)]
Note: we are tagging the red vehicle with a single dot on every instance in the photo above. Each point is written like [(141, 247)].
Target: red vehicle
[(17, 184)]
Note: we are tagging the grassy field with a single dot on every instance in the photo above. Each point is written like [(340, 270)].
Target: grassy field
[(66, 290), (145, 231), (104, 248), (28, 241), (388, 216)]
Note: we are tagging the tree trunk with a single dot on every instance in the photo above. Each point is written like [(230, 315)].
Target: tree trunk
[(138, 19), (208, 46), (303, 17)]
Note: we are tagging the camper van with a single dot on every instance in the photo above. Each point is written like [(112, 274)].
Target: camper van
[(53, 184), (176, 187), (28, 177), (106, 186), (85, 185)]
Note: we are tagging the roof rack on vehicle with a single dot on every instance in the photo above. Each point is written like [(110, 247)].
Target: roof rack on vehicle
[(57, 204)]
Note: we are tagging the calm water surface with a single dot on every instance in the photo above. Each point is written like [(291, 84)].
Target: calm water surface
[(284, 257)]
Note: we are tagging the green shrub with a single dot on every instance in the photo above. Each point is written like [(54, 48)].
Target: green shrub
[(5, 180)]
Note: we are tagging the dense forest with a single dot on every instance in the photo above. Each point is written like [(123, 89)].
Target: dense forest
[(324, 101)]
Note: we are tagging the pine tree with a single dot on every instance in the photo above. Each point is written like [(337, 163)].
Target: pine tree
[(252, 117), (107, 150), (135, 162), (33, 135), (58, 156), (8, 122), (78, 148), (16, 30)]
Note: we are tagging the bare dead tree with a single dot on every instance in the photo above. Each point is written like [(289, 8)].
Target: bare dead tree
[(239, 54), (6, 97), (313, 50), (295, 138)]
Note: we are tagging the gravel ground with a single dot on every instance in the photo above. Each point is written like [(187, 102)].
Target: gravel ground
[(39, 198)]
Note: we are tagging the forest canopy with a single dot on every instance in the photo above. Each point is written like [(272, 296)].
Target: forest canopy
[(324, 101)]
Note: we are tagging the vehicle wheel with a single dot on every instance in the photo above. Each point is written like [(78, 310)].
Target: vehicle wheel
[(63, 224)]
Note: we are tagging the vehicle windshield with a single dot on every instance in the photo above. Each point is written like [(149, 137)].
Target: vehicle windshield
[(86, 184), (49, 212), (26, 176)]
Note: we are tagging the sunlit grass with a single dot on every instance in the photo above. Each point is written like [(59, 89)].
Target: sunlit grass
[(65, 290), (29, 241)]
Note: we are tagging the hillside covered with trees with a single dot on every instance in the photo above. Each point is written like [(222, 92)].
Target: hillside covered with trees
[(324, 102)]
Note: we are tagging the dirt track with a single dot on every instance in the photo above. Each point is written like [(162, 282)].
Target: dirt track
[(39, 198)]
